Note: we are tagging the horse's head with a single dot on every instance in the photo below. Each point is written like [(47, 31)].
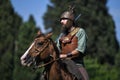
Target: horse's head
[(38, 51)]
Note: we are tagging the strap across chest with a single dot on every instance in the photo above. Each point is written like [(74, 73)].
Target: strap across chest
[(68, 38)]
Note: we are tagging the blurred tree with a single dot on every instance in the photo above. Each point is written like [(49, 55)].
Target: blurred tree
[(9, 25), (27, 33), (101, 72), (117, 67)]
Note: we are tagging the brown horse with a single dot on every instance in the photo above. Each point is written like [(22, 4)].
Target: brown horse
[(44, 50)]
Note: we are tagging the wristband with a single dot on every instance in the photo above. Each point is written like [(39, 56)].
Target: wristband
[(69, 55)]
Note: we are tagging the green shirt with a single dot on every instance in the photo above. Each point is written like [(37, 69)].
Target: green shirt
[(82, 40)]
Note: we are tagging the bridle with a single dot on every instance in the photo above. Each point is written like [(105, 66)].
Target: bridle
[(44, 47), (40, 52)]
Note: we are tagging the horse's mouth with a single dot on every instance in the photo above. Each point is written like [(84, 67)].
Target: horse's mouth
[(27, 62), (24, 63)]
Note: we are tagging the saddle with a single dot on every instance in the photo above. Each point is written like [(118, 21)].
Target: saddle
[(72, 68)]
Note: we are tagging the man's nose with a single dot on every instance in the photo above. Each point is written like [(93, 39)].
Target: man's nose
[(61, 21)]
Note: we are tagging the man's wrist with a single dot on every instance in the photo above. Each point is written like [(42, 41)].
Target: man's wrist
[(69, 55)]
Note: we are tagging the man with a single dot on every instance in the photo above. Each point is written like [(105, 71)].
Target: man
[(72, 41)]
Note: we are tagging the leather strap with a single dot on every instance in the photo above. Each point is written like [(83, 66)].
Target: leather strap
[(69, 37), (74, 31)]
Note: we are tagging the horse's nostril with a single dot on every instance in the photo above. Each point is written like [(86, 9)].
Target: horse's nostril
[(24, 58)]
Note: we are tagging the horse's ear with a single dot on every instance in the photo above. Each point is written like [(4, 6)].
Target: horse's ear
[(39, 32), (49, 35)]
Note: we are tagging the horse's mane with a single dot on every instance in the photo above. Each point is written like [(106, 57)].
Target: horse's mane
[(39, 35), (55, 47)]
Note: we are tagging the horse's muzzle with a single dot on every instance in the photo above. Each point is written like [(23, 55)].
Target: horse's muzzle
[(26, 61)]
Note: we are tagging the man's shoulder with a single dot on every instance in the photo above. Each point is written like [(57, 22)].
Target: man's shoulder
[(81, 30), (74, 31)]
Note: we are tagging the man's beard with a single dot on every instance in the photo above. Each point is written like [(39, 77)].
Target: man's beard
[(65, 29)]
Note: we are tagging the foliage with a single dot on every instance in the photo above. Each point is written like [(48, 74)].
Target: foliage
[(98, 71), (27, 33), (9, 25), (15, 38)]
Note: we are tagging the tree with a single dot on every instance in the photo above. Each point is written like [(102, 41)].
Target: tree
[(27, 33), (117, 62), (9, 25)]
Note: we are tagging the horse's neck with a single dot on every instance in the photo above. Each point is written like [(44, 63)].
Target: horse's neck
[(54, 50), (54, 71)]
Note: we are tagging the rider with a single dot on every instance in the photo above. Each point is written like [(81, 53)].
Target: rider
[(72, 41)]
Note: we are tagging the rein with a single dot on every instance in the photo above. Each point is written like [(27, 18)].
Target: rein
[(43, 65)]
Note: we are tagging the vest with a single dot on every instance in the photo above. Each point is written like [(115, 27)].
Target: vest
[(69, 42)]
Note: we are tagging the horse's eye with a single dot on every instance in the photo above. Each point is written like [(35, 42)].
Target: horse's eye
[(39, 44)]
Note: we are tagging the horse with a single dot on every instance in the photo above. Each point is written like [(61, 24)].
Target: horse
[(43, 52)]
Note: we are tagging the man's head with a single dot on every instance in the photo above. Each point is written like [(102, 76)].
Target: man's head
[(68, 15), (67, 20)]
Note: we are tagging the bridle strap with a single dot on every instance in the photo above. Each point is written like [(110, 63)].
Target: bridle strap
[(42, 50), (44, 47)]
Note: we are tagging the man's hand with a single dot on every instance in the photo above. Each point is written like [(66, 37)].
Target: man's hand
[(66, 55), (63, 56)]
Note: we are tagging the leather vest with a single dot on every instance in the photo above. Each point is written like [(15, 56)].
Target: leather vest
[(69, 42)]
